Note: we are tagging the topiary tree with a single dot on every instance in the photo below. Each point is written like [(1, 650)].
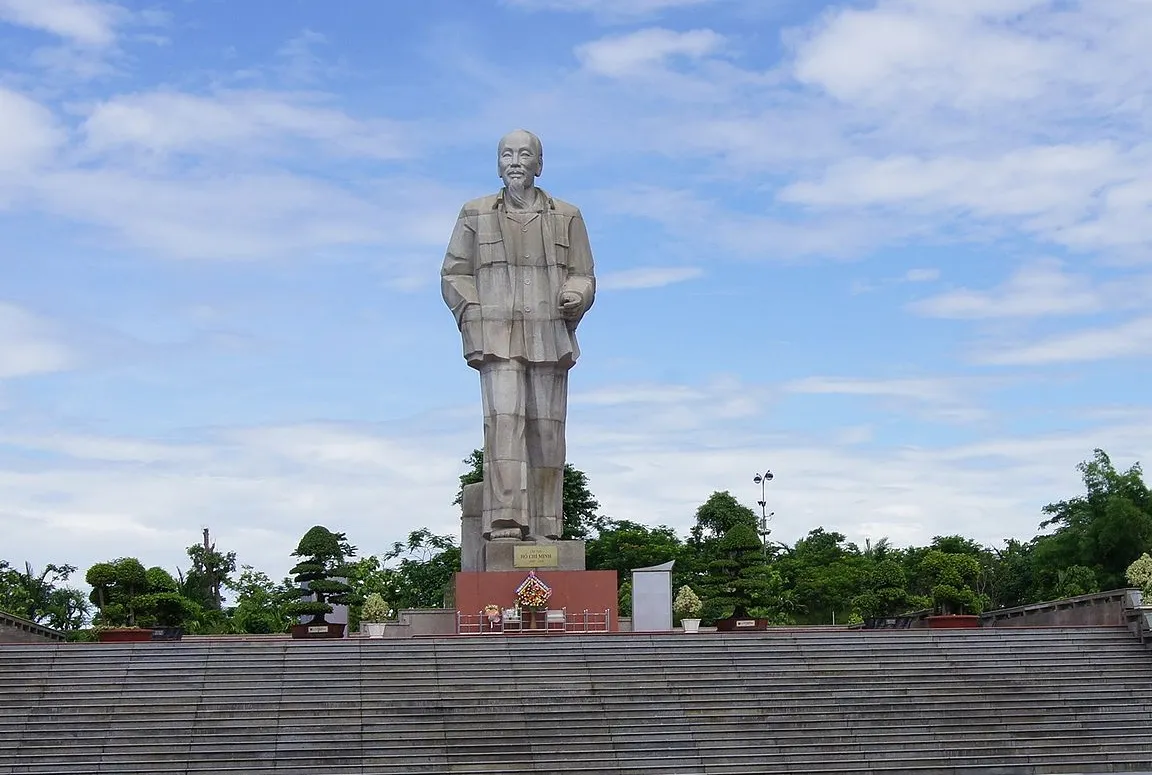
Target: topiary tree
[(740, 583), (953, 578), (324, 560), (116, 589), (162, 605), (885, 591)]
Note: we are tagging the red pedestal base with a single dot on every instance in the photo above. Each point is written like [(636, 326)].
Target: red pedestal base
[(575, 591)]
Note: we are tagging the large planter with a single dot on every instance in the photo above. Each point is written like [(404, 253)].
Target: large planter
[(746, 624), (308, 631), (125, 635), (954, 622), (690, 625), (374, 629), (167, 633)]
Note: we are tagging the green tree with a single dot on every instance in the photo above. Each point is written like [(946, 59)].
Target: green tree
[(885, 592), (260, 603), (740, 583), (163, 605), (717, 515), (424, 567), (210, 573), (323, 561), (825, 575), (1105, 529), (42, 597), (623, 546), (952, 579), (580, 507), (1013, 577), (116, 588)]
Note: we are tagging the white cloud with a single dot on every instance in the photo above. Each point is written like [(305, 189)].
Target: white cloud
[(1126, 340), (243, 122), (924, 275), (1090, 196), (622, 56), (1038, 289), (945, 399), (618, 395), (80, 21), (1059, 182), (920, 389), (28, 346), (93, 498), (217, 217), (647, 277), (235, 216), (962, 54), (607, 8), (28, 134), (708, 225)]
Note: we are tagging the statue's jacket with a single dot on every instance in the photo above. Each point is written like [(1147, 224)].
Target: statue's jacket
[(507, 306)]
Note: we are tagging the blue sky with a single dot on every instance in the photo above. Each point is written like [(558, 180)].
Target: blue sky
[(896, 251)]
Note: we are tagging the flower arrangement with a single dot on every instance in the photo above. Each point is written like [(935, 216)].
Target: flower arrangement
[(492, 611), (532, 592), (687, 604)]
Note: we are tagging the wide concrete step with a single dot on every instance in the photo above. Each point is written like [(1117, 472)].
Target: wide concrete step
[(995, 702)]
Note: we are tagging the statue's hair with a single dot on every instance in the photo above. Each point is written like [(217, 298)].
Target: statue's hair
[(538, 146)]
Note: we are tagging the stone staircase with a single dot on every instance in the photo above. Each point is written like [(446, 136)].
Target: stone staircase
[(990, 702)]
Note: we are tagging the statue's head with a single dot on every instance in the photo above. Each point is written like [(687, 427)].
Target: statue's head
[(520, 159)]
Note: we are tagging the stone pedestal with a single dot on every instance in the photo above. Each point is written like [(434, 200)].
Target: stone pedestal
[(573, 592), (533, 555), (476, 554), (472, 528)]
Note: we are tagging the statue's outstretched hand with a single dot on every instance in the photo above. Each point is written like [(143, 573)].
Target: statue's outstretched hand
[(570, 304)]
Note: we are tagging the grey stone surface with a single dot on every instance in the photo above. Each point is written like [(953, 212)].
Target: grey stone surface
[(14, 629), (417, 622), (472, 528), (652, 598), (808, 700), (500, 555), (518, 276)]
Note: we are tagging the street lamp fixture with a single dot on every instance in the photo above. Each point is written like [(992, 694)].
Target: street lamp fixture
[(762, 480)]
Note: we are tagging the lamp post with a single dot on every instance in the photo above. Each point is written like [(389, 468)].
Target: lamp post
[(762, 480)]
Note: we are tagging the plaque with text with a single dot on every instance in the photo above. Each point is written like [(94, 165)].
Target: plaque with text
[(536, 556)]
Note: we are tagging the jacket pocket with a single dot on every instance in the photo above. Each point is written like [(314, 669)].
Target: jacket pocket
[(490, 249)]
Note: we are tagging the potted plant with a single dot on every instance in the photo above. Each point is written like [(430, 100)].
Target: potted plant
[(373, 613), (137, 604), (167, 613), (1139, 574), (953, 578), (687, 606), (319, 572)]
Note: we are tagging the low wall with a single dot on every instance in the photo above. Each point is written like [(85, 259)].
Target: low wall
[(13, 629), (417, 622), (1097, 609)]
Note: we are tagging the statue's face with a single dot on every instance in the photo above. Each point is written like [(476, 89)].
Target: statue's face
[(520, 160)]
